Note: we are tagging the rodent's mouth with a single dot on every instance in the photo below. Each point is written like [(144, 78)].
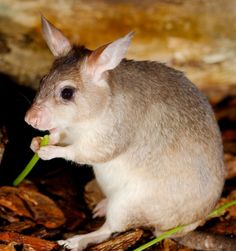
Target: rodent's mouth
[(42, 128), (53, 130)]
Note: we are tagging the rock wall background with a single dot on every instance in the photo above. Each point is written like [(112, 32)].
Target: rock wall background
[(196, 36)]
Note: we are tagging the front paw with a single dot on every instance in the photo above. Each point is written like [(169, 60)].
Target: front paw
[(48, 152), (100, 209), (35, 144)]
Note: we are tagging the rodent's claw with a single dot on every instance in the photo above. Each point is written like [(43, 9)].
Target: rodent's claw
[(74, 243), (100, 209), (35, 144)]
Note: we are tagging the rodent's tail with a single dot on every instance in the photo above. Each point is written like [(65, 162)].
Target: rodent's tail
[(207, 241)]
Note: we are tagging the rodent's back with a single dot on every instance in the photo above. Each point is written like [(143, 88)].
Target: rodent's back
[(165, 108), (145, 84)]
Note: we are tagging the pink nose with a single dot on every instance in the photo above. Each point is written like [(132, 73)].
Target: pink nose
[(33, 116), (38, 117)]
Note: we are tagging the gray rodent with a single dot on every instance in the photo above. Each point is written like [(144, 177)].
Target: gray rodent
[(149, 133)]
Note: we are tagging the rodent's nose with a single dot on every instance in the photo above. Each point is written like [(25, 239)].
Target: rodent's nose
[(33, 115), (39, 117)]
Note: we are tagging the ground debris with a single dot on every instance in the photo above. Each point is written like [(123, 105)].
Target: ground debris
[(18, 226), (33, 242), (32, 205), (9, 199), (224, 227), (60, 186), (120, 242), (8, 247), (226, 223), (230, 165), (74, 215), (44, 210), (171, 245), (230, 212)]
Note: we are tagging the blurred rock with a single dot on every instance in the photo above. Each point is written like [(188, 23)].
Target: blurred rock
[(197, 37)]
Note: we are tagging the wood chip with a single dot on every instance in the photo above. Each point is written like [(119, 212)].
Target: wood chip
[(227, 222), (44, 210), (8, 247), (8, 215), (230, 212), (120, 242), (74, 215), (170, 245), (224, 227), (33, 242), (44, 233), (40, 208), (18, 226), (230, 165), (9, 199)]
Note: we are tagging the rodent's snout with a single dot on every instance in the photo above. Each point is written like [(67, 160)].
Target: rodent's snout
[(32, 116), (38, 117)]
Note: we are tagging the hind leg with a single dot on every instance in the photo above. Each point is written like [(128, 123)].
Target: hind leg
[(80, 242), (117, 220)]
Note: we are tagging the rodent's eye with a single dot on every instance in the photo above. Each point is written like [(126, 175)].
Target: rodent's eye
[(67, 93)]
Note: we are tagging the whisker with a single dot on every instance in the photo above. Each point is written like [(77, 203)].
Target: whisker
[(25, 98)]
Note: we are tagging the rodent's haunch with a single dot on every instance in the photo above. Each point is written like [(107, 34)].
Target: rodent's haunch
[(148, 132)]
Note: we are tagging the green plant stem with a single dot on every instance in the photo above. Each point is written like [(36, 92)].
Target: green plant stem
[(160, 238), (175, 230), (31, 164), (218, 211)]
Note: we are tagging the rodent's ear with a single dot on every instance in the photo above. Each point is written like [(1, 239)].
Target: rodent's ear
[(108, 56), (56, 41)]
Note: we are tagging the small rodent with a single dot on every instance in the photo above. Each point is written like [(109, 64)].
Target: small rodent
[(149, 133)]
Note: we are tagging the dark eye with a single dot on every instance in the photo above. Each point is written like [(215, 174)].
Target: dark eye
[(67, 93)]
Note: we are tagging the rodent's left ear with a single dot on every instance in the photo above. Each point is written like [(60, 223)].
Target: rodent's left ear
[(56, 41), (108, 56)]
